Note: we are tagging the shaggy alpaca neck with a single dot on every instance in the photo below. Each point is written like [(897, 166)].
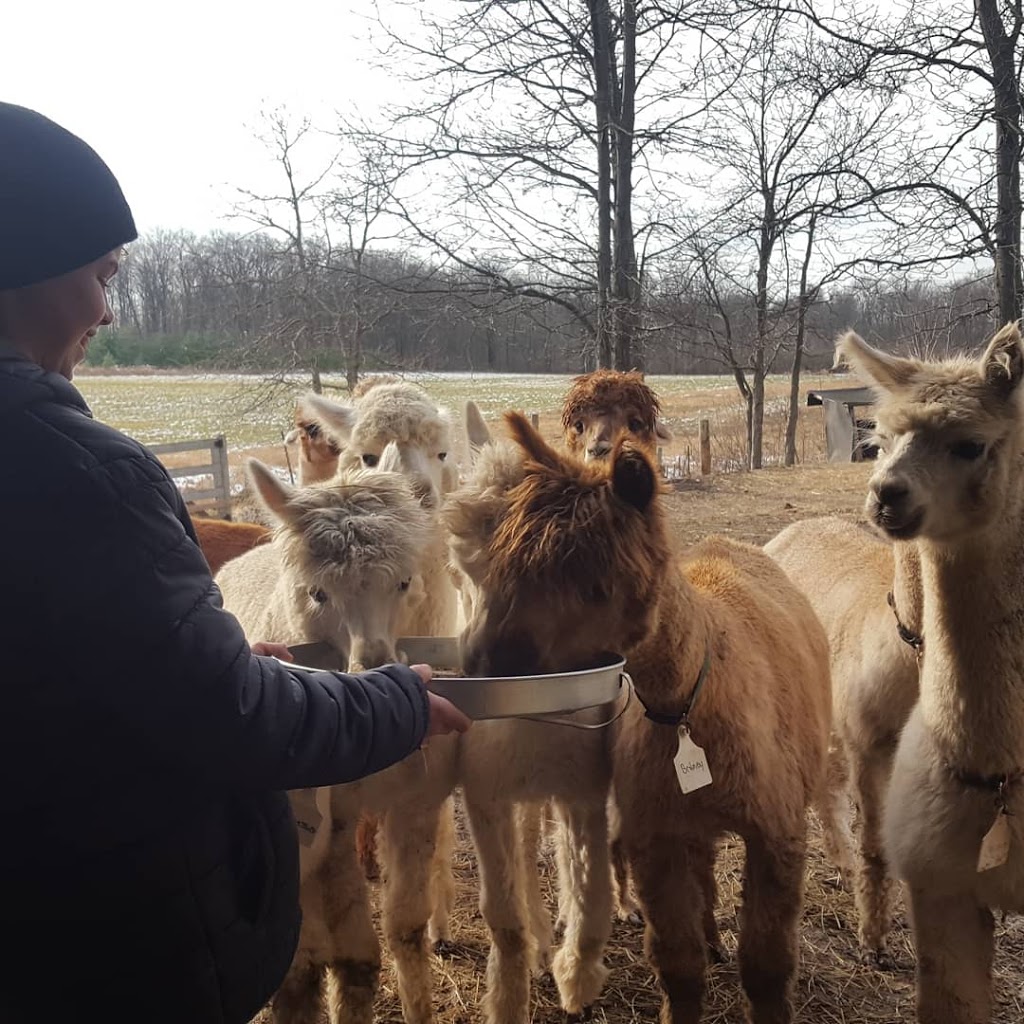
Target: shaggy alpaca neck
[(973, 667), (907, 586), (666, 664)]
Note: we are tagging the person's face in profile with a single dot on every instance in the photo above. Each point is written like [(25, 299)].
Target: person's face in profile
[(54, 320)]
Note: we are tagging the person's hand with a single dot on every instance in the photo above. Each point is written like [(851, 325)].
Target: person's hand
[(445, 717), (273, 651)]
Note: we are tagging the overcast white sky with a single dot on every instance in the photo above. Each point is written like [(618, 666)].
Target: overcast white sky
[(167, 93)]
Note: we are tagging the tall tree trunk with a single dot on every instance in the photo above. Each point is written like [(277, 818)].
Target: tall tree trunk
[(764, 255), (1006, 111), (600, 19), (626, 294), (798, 348)]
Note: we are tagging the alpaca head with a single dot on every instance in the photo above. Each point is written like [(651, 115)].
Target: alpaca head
[(401, 413), (568, 556), (350, 550), (317, 451), (605, 405), (949, 436)]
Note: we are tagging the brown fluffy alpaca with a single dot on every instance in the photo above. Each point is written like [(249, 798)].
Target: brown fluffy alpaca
[(221, 541), (580, 561), (603, 406)]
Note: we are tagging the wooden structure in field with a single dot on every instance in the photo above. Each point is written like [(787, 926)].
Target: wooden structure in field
[(846, 431)]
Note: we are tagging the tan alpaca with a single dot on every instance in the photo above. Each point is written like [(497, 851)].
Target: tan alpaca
[(949, 476), (338, 570), (848, 575), (580, 561)]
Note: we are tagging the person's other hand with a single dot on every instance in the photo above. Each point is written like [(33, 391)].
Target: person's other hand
[(273, 651), (445, 717)]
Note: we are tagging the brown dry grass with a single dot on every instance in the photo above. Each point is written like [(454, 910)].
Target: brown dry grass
[(834, 987)]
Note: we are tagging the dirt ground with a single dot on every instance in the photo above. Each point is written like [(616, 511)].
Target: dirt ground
[(834, 986)]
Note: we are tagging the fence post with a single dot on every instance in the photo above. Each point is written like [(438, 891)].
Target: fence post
[(221, 472), (661, 460), (705, 447), (535, 420)]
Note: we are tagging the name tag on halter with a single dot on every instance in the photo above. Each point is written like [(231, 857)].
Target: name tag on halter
[(690, 763)]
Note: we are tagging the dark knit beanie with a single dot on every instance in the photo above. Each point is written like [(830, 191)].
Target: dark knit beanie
[(60, 207)]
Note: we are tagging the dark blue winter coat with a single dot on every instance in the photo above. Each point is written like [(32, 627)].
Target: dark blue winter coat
[(148, 856)]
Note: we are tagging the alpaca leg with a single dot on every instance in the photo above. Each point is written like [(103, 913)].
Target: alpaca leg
[(672, 897), (626, 908), (507, 996), (578, 965), (298, 1000), (530, 820), (875, 891), (366, 845), (835, 811), (705, 871), (442, 877), (411, 839), (954, 940), (354, 969), (772, 897)]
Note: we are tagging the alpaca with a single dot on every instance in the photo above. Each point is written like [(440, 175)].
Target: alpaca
[(318, 453), (507, 769), (386, 410), (339, 570), (949, 477), (221, 540), (864, 609), (604, 405), (580, 561)]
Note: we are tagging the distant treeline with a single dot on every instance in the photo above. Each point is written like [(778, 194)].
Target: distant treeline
[(239, 302)]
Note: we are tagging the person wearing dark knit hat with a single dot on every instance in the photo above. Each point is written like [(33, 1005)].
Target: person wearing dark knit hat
[(149, 863)]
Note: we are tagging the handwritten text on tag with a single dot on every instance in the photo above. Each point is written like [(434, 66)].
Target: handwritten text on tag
[(690, 763)]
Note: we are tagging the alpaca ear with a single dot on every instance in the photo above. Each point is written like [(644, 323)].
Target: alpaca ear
[(882, 370), (390, 459), (292, 436), (661, 432), (1003, 361), (336, 419), (476, 428), (531, 442), (633, 479), (272, 490)]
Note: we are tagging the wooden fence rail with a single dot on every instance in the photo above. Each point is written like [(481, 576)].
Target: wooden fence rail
[(216, 498)]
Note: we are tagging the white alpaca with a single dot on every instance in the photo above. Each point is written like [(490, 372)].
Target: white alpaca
[(874, 687), (338, 570), (949, 476)]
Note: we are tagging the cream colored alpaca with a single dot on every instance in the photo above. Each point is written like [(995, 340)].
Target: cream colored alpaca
[(848, 574), (403, 414), (949, 476), (580, 561), (338, 570)]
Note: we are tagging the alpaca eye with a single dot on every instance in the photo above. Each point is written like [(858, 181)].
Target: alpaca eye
[(967, 450), (318, 595), (635, 426), (404, 585), (578, 426), (442, 456), (312, 430), (370, 459)]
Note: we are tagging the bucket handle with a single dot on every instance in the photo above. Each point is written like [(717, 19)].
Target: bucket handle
[(625, 683)]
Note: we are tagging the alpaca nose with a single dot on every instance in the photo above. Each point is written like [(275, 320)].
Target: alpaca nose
[(367, 654), (891, 493), (599, 450)]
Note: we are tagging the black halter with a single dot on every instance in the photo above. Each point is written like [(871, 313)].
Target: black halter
[(915, 640), (683, 717)]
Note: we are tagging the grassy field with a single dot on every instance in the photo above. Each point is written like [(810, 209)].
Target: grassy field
[(254, 413)]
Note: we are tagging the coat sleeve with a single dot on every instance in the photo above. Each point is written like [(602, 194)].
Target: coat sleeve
[(136, 596)]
